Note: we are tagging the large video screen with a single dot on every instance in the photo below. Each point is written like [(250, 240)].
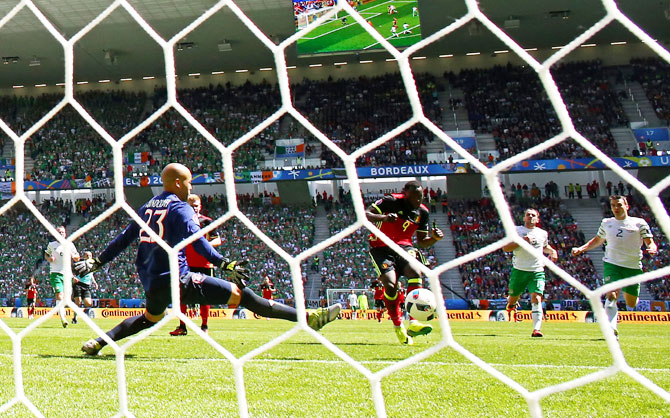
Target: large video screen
[(397, 20)]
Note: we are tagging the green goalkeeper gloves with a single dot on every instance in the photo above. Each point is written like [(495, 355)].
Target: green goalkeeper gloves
[(238, 273), (83, 267)]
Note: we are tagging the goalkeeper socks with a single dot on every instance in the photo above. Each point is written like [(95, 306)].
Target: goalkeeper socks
[(393, 307), (611, 310), (266, 307), (204, 314), (536, 315), (128, 327)]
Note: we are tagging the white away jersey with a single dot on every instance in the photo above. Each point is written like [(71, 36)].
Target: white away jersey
[(624, 240), (57, 251), (522, 259)]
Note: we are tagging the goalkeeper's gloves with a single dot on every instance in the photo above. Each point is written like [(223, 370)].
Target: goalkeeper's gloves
[(90, 265), (238, 273)]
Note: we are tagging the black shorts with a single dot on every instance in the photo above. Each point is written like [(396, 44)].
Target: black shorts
[(30, 301), (385, 259), (195, 288), (379, 303), (81, 290)]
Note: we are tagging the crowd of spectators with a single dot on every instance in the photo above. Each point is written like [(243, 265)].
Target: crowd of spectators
[(654, 76), (475, 224), (511, 104), (355, 112)]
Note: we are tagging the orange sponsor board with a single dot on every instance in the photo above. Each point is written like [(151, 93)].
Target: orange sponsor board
[(554, 316), (644, 317), (467, 315), (122, 313)]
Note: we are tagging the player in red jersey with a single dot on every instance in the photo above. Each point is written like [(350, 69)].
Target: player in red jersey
[(400, 216), (378, 288), (268, 288), (198, 264), (31, 296)]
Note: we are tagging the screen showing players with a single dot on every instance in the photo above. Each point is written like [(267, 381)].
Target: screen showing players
[(396, 20)]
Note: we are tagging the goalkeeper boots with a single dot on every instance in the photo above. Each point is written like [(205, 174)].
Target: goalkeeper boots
[(416, 328), (91, 348), (320, 317), (401, 333)]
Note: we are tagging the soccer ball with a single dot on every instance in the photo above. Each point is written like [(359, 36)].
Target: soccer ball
[(420, 304)]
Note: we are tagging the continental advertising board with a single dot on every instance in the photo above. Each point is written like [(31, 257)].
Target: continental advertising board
[(452, 315)]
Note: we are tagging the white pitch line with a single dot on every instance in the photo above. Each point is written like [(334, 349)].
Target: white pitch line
[(458, 364), (387, 362)]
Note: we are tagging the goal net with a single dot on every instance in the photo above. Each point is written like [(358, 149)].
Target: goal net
[(492, 175)]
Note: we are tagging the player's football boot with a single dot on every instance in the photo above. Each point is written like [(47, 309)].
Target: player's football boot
[(179, 331), (401, 333), (74, 321), (91, 348), (320, 317), (205, 329), (537, 334), (416, 328), (63, 322)]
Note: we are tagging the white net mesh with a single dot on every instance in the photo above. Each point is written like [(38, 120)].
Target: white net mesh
[(491, 174)]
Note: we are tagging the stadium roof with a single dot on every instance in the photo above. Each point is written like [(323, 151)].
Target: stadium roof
[(119, 48)]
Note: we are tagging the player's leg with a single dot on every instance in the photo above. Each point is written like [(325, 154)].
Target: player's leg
[(181, 328), (631, 293), (76, 298), (536, 289), (157, 302), (517, 284), (77, 301), (203, 289), (57, 284), (204, 316), (384, 262), (414, 281)]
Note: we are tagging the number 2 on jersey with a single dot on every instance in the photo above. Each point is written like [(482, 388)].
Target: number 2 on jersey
[(158, 221)]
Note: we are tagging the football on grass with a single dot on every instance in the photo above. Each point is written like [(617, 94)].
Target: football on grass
[(420, 304)]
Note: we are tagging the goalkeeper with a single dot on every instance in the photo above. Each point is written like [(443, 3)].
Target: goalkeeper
[(174, 220)]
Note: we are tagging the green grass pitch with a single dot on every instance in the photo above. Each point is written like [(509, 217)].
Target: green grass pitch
[(335, 36), (184, 376)]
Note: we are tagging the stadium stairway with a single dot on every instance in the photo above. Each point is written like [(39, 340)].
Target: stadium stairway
[(8, 153), (486, 143), (625, 140), (588, 214), (321, 233), (445, 251), (456, 118), (636, 106)]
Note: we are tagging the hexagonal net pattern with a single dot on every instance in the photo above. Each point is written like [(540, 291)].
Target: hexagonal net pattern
[(491, 175)]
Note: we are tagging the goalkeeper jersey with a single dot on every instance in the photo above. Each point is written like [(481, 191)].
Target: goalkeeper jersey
[(173, 221)]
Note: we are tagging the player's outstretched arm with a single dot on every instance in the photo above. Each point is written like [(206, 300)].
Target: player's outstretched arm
[(593, 243)]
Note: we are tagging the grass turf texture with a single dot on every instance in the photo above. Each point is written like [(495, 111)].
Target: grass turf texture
[(334, 36), (301, 378)]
